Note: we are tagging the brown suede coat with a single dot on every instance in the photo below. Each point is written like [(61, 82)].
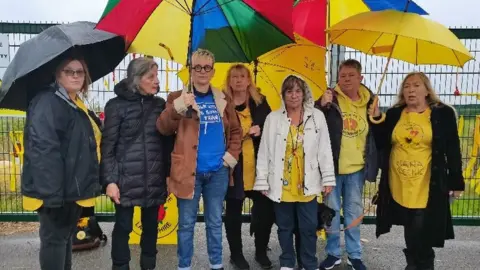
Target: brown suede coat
[(184, 156)]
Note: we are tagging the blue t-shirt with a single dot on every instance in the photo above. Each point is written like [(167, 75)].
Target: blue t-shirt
[(211, 139)]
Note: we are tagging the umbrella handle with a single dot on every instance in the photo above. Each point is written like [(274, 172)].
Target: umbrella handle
[(382, 115)]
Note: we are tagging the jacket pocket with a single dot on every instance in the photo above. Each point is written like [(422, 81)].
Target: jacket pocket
[(178, 169)]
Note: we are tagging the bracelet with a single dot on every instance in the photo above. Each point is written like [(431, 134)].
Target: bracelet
[(381, 120)]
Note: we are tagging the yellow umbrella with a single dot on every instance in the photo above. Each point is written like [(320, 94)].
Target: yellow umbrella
[(303, 58), (400, 35)]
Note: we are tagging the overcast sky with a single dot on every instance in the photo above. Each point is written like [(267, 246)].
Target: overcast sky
[(447, 12)]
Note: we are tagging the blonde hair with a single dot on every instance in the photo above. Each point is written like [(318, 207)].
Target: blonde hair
[(432, 98), (252, 90), (87, 80), (203, 53)]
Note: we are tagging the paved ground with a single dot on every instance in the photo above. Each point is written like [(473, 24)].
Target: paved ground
[(20, 251)]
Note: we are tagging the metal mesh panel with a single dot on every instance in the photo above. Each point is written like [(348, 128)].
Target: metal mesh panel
[(444, 80)]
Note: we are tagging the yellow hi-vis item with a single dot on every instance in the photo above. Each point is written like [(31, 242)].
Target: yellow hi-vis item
[(167, 223)]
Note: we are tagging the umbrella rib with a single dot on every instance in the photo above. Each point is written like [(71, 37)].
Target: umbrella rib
[(458, 60), (179, 6), (266, 78), (343, 32), (375, 41), (416, 51), (190, 11), (292, 70), (200, 8), (206, 11), (65, 34)]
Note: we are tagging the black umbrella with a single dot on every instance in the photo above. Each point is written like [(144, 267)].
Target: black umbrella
[(35, 62)]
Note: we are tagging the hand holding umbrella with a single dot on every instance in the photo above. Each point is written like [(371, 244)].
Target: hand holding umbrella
[(400, 35)]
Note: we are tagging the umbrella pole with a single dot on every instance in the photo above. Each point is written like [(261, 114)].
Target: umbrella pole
[(375, 99), (255, 70), (188, 114), (327, 45)]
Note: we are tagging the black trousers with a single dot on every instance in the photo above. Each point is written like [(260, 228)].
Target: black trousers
[(88, 211), (263, 217), (121, 234), (419, 252), (56, 228)]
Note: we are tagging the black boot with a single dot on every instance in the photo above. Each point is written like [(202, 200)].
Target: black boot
[(410, 261), (427, 260), (262, 259), (239, 262)]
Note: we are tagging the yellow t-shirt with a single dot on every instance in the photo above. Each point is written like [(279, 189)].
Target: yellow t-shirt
[(32, 204), (410, 159), (355, 130), (293, 169), (248, 151)]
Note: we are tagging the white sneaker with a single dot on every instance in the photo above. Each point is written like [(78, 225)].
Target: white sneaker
[(286, 268)]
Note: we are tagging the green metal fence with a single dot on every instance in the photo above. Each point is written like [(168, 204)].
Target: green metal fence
[(466, 210)]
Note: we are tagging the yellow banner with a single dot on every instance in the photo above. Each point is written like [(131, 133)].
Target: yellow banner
[(167, 224)]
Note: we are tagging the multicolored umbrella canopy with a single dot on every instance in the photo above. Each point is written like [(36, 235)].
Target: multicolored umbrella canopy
[(310, 17), (303, 59), (234, 30)]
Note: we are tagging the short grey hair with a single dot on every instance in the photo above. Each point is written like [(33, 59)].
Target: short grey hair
[(137, 68)]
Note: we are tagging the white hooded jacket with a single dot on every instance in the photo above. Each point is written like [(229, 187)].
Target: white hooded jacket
[(319, 168)]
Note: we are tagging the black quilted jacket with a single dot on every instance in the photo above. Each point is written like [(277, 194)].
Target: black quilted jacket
[(138, 161)]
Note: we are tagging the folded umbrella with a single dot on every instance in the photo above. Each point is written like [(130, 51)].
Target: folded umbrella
[(34, 64), (302, 58)]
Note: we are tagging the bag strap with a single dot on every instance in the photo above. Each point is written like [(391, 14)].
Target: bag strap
[(146, 114)]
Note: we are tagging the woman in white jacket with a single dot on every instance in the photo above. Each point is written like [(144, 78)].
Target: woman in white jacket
[(294, 166)]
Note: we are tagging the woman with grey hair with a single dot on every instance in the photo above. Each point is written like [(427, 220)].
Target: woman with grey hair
[(135, 160), (294, 166)]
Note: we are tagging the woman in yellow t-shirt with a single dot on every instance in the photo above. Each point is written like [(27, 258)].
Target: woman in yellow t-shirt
[(61, 170), (422, 169), (252, 109)]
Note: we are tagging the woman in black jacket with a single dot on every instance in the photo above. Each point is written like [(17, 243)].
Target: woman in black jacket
[(252, 110), (61, 170), (421, 170), (135, 160)]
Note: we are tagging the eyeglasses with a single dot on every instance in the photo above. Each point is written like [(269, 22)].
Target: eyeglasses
[(199, 68), (71, 73)]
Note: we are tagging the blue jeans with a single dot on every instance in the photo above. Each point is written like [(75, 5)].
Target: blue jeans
[(306, 213), (213, 186), (350, 188)]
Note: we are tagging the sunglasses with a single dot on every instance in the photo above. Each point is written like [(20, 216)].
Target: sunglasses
[(199, 68), (71, 73)]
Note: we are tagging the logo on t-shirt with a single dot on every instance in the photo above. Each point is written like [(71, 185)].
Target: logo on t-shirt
[(208, 114), (353, 124), (409, 135)]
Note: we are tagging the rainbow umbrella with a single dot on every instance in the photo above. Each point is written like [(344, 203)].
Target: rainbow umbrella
[(312, 17), (234, 30)]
